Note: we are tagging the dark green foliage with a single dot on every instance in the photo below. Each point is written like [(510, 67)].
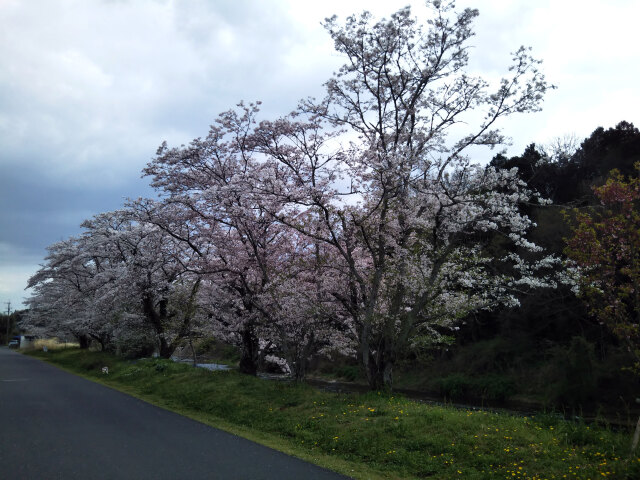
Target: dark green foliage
[(348, 372), (605, 150), (13, 321), (496, 355), (454, 387), (220, 352), (569, 179), (571, 373), (136, 346), (489, 387), (551, 228), (338, 366)]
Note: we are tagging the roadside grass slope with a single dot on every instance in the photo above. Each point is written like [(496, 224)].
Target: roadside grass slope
[(368, 435)]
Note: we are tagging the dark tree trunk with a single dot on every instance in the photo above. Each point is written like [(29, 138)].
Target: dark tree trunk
[(166, 349), (379, 366), (249, 352), (380, 375), (300, 358), (104, 341), (193, 352), (156, 319), (84, 341)]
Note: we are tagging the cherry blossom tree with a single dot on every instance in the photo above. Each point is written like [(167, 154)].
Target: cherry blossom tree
[(304, 317), (63, 302), (371, 171), (119, 270), (147, 269), (244, 253)]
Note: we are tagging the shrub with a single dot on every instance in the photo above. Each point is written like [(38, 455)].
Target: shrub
[(495, 387), (348, 372), (488, 387), (337, 366), (571, 373), (138, 346), (455, 386), (489, 356), (219, 351)]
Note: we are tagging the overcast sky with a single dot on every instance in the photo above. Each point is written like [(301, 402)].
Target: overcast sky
[(89, 89)]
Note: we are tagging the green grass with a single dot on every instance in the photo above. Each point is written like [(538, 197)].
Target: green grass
[(369, 435)]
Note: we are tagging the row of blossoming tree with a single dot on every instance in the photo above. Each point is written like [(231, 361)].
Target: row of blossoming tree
[(357, 223)]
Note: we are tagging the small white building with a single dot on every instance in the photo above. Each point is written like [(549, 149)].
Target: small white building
[(26, 340)]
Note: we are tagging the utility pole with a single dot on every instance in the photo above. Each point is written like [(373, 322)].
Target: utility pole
[(8, 304)]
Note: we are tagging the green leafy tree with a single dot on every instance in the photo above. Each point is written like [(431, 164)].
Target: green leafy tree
[(606, 247)]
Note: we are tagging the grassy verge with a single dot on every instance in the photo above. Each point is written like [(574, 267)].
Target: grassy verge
[(368, 435)]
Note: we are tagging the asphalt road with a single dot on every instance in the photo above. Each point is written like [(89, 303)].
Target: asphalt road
[(54, 425)]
